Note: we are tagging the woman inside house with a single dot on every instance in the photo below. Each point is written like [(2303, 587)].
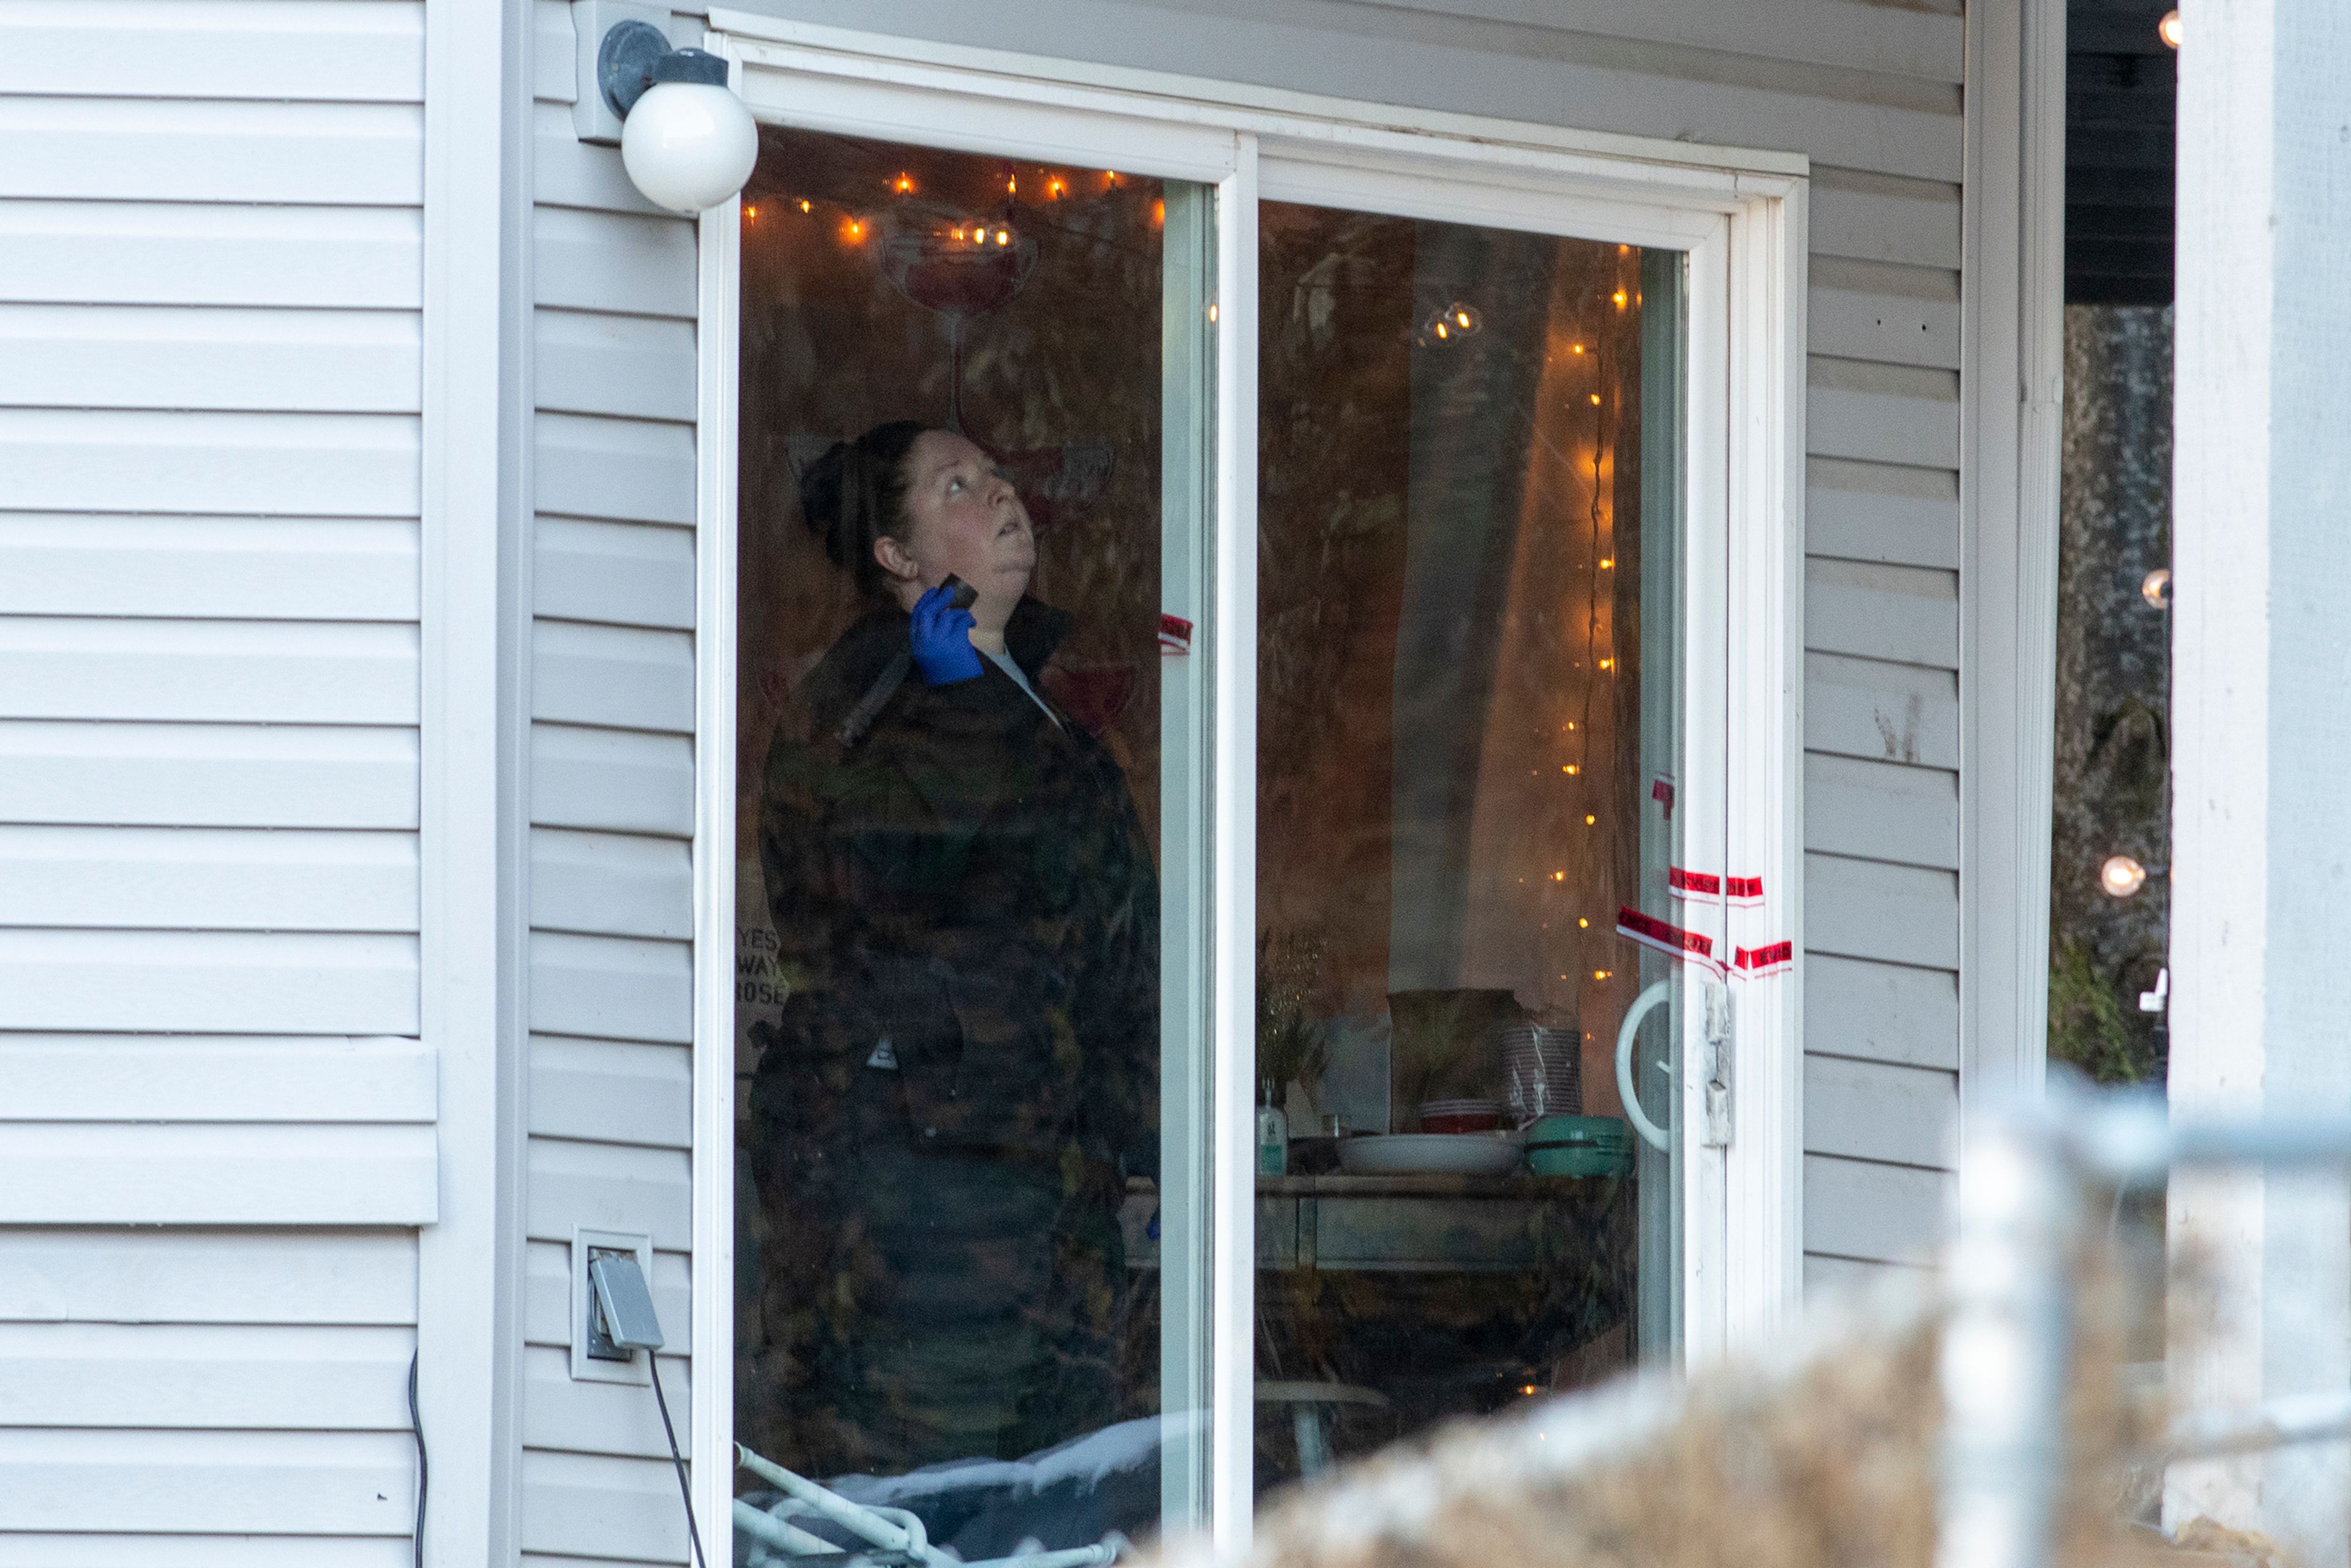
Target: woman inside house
[(966, 1070)]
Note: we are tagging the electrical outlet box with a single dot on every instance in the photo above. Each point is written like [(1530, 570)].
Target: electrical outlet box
[(591, 118), (594, 1357)]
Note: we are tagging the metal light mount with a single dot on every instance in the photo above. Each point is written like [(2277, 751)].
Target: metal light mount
[(635, 55)]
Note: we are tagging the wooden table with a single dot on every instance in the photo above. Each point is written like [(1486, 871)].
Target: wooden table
[(1401, 1224)]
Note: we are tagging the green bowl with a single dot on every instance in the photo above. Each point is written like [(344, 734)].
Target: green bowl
[(1568, 1160), (1580, 1147)]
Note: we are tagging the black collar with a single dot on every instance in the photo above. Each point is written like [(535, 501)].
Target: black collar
[(857, 660)]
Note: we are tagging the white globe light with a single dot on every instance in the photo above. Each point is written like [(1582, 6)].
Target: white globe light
[(689, 146)]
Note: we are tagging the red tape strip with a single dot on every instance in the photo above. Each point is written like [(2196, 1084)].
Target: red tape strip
[(1651, 932), (1747, 963), (1692, 883)]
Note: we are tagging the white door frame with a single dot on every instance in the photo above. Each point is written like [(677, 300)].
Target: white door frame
[(1741, 217)]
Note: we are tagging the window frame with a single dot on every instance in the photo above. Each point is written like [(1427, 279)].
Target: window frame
[(1741, 217)]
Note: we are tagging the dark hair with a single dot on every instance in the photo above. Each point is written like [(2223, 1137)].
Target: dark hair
[(856, 493)]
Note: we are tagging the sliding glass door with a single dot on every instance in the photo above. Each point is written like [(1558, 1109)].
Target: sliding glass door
[(973, 1114), (1253, 979), (1469, 665)]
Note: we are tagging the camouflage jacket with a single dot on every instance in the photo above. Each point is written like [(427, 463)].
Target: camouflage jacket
[(970, 882)]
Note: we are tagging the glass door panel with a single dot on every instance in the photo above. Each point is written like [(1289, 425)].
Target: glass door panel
[(1470, 727), (973, 1098)]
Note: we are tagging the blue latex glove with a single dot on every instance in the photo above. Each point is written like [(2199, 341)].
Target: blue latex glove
[(942, 633)]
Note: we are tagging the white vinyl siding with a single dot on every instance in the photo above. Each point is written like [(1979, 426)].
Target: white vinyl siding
[(217, 1138), (1871, 93), (611, 874)]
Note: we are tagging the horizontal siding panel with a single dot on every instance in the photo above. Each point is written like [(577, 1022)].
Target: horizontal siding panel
[(174, 253), (182, 149), (611, 780), (569, 173), (611, 885), (624, 574), (221, 879), (257, 1483), (631, 367), (580, 1416), (546, 1297), (227, 1378), (208, 982), (161, 1551), (1888, 712), (1885, 218), (1443, 59), (205, 775), (610, 1091), (1826, 1276), (1882, 413), (350, 50), (609, 987), (614, 677), (329, 361), (1905, 613), (649, 1191), (1895, 914), (638, 265), (1911, 41), (1871, 1111), (252, 569), (1896, 315), (115, 1276), (323, 465), (217, 671), (86, 1174), (1887, 1214), (215, 1077), (1882, 811), (1869, 511), (1881, 1012), (626, 470), (595, 1505)]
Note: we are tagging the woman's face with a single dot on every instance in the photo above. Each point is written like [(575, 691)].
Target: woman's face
[(962, 517)]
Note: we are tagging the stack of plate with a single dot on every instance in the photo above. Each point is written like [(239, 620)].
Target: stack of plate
[(1543, 1070), (1460, 1116), (1580, 1147)]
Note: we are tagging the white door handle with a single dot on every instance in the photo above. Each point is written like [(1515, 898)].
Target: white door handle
[(1627, 1089)]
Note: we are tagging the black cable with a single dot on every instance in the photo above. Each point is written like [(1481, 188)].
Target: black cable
[(684, 1490), (416, 1425)]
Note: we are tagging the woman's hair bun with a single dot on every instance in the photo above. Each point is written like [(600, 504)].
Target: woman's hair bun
[(856, 493)]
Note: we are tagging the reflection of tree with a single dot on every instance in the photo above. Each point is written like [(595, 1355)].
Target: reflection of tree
[(2113, 744)]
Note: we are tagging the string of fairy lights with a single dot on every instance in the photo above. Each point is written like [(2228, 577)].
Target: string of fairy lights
[(1000, 223)]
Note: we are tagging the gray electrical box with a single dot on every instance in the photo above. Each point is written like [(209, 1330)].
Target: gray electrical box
[(596, 1356), (625, 1316)]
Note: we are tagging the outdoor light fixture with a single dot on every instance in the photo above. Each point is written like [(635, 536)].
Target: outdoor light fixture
[(2121, 876), (688, 143), (2168, 28), (2157, 588)]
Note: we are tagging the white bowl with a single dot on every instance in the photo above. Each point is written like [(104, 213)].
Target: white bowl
[(1415, 1154)]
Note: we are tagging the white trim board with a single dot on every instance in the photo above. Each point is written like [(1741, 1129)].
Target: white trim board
[(474, 722), (1742, 219), (2011, 372)]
